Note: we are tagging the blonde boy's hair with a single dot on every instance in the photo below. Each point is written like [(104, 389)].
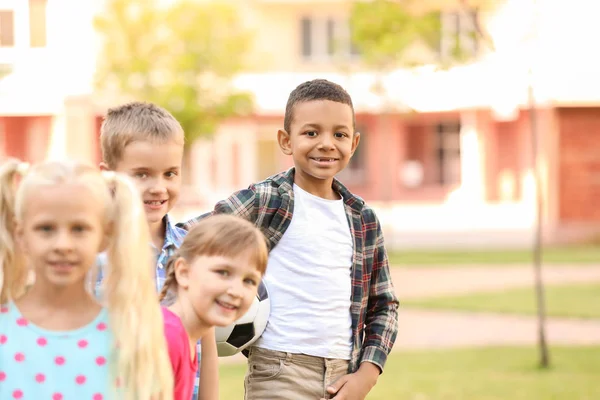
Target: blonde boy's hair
[(219, 235), (135, 121), (141, 361)]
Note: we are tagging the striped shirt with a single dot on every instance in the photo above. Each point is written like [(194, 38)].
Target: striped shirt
[(374, 307)]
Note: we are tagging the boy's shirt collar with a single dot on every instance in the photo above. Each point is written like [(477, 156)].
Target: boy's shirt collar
[(173, 234), (285, 181)]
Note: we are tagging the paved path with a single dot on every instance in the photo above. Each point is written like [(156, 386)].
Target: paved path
[(428, 282), (425, 329)]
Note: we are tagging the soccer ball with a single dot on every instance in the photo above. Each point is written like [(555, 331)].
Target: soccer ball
[(242, 333)]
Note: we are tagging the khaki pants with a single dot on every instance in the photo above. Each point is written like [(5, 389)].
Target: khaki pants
[(275, 375)]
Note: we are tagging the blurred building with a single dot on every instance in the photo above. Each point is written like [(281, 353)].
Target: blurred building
[(445, 156)]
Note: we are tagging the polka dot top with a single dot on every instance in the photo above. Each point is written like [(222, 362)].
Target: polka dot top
[(56, 365)]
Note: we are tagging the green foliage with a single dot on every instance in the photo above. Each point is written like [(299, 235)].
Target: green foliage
[(385, 31), (478, 257), (571, 301), (181, 57)]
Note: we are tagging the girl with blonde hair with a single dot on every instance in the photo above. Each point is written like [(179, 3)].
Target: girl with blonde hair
[(56, 341), (212, 280)]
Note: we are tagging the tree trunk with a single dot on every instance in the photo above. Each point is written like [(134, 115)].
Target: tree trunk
[(537, 246)]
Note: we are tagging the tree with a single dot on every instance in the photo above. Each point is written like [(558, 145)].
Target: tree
[(385, 31), (539, 200), (181, 56)]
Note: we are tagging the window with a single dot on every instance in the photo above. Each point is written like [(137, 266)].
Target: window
[(353, 48), (331, 39), (415, 170), (306, 35), (37, 23), (7, 28), (325, 38), (459, 34), (447, 151)]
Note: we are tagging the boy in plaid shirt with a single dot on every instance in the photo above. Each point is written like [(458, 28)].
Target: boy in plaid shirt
[(146, 142), (334, 316)]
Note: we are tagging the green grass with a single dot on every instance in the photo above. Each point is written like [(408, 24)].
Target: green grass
[(573, 300), (472, 374), (584, 254)]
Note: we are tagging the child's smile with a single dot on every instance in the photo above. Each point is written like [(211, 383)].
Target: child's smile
[(324, 162), (154, 205)]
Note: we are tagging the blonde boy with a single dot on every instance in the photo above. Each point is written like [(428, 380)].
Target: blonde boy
[(146, 142)]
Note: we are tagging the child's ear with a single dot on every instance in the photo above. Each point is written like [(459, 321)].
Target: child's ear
[(355, 142), (103, 166), (283, 138), (182, 273)]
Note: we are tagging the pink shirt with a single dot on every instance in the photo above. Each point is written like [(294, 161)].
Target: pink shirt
[(184, 368)]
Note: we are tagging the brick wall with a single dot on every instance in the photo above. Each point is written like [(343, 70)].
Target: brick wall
[(579, 165)]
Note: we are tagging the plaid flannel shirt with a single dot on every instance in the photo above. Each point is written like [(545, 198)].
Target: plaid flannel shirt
[(374, 307)]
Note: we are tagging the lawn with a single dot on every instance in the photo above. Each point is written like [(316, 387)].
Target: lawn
[(573, 300), (472, 374), (588, 254)]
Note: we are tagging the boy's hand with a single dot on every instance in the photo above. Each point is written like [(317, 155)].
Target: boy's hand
[(357, 385)]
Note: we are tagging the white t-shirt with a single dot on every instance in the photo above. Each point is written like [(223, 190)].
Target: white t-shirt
[(309, 281)]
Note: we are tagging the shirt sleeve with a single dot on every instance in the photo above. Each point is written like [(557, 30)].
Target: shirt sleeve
[(381, 323)]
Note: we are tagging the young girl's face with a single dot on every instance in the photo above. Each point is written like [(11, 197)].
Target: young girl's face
[(221, 289), (61, 233)]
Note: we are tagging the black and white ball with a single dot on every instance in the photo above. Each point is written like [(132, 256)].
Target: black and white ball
[(234, 338)]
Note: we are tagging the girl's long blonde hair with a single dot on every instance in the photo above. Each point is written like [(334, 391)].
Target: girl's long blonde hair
[(140, 361)]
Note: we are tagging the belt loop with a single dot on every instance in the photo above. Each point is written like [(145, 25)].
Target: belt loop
[(288, 358)]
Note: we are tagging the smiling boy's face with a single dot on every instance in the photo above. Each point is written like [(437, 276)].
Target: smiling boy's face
[(155, 167), (321, 141)]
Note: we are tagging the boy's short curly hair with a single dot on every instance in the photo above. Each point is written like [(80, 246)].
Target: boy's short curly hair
[(317, 89), (135, 121)]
